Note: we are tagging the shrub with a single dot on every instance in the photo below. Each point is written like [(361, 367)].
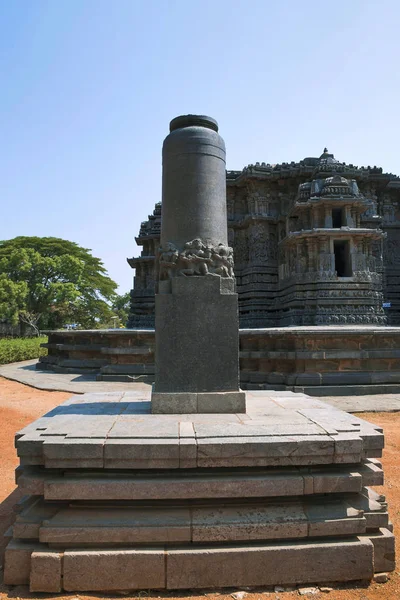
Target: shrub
[(16, 349)]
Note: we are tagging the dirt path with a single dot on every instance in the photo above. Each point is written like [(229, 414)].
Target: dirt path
[(20, 404)]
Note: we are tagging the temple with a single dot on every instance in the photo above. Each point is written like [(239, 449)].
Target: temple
[(315, 243)]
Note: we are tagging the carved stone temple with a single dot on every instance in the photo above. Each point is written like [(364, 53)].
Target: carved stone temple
[(315, 243)]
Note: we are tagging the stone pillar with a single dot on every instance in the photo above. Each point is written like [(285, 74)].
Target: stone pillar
[(197, 329), (328, 217), (349, 222)]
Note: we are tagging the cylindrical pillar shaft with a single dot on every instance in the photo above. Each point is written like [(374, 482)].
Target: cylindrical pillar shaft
[(194, 183), (197, 332)]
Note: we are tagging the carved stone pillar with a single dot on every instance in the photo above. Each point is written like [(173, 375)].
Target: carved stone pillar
[(197, 330), (310, 245), (316, 217), (349, 221), (328, 217), (353, 213)]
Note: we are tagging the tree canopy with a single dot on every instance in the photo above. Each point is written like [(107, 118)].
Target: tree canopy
[(49, 282), (121, 306)]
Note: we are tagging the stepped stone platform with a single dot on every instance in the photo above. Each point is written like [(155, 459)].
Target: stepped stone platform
[(118, 498)]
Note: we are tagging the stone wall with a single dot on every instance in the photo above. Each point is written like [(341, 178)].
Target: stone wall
[(317, 360)]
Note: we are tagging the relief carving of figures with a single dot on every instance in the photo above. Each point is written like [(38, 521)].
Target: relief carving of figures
[(258, 244), (197, 258), (392, 248), (241, 247), (389, 213)]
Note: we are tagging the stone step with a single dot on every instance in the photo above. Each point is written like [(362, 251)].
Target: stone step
[(76, 526), (384, 549), (127, 378), (109, 485), (41, 366), (375, 510), (183, 567), (118, 433), (72, 347), (346, 390), (128, 350), (128, 369)]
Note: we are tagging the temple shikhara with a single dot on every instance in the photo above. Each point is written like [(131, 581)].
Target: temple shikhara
[(315, 243)]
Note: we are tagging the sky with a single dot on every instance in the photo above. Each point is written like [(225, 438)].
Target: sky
[(88, 87)]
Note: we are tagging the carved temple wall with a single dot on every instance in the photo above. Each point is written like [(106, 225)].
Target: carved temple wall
[(284, 241)]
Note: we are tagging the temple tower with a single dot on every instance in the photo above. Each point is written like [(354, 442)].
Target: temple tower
[(330, 264)]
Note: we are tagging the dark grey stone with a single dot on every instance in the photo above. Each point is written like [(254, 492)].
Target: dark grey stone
[(197, 337), (194, 188), (295, 206), (197, 328)]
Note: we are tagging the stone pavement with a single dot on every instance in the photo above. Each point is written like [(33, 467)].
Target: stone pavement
[(25, 372)]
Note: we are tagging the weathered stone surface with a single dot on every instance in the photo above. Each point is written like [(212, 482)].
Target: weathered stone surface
[(234, 523), (46, 572), (173, 403), (263, 354), (384, 550), (299, 285), (117, 431), (86, 570), (204, 403), (17, 563), (152, 492), (268, 564), (189, 486), (123, 525), (141, 453), (197, 338), (207, 360), (381, 577)]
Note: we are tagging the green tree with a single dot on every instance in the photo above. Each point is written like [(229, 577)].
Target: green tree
[(47, 282), (120, 307)]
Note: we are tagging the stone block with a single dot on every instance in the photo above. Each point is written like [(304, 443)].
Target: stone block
[(328, 482), (187, 453), (73, 453), (170, 403), (87, 570), (190, 486), (46, 571), (371, 474), (93, 526), (141, 453), (31, 482), (264, 451), (221, 402), (246, 523), (207, 402), (207, 359), (17, 561), (384, 550), (267, 564)]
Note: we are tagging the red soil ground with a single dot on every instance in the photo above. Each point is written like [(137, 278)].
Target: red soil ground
[(20, 404)]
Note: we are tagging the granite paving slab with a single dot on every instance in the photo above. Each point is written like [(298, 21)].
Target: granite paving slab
[(117, 430), (74, 525), (189, 484)]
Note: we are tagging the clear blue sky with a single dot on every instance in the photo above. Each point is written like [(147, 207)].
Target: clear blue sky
[(88, 87)]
